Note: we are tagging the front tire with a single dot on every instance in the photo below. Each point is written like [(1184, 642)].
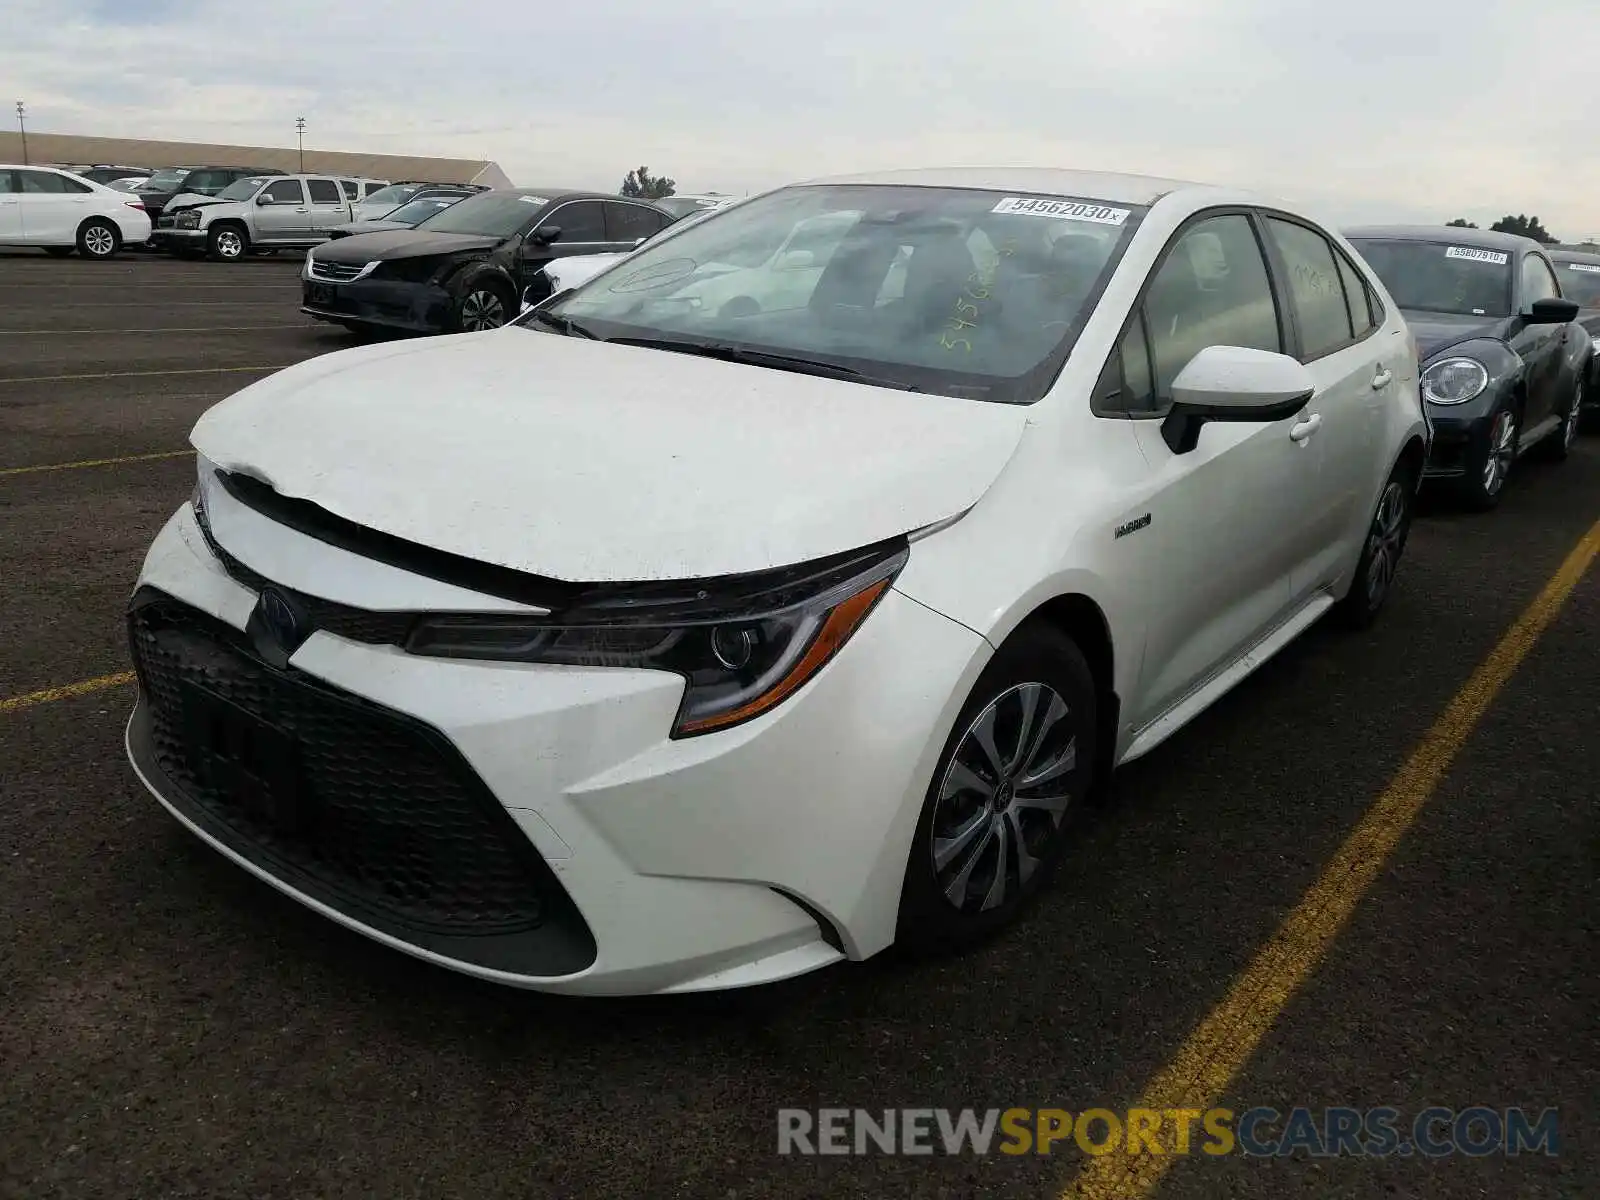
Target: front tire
[(483, 306), (98, 239), (1490, 463), (1381, 553), (228, 243), (995, 819)]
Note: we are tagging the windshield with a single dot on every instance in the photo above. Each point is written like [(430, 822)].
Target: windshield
[(956, 291), (1580, 282), (167, 178), (393, 195), (242, 189), (420, 210), (1442, 278), (488, 214)]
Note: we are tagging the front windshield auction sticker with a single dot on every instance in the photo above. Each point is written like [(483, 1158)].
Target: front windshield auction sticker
[(1498, 257), (533, 199), (1062, 210), (1590, 268)]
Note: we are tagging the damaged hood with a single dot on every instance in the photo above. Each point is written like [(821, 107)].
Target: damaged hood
[(587, 462)]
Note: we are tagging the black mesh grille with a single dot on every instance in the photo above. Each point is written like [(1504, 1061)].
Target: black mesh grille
[(378, 810)]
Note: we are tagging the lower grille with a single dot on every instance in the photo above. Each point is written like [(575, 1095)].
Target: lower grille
[(376, 812)]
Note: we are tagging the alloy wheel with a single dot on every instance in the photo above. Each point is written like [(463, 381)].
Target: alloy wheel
[(1502, 452), (99, 241), (1569, 432), (1003, 797), (1386, 542), (482, 310), (229, 244)]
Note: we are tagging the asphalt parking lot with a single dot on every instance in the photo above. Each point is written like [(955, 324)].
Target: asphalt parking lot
[(174, 1028)]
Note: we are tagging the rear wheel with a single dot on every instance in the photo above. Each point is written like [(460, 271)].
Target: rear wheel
[(1558, 445), (98, 239), (1380, 555), (995, 819)]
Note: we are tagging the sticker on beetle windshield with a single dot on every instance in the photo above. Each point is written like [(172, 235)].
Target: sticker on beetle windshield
[(533, 199), (1498, 257), (1587, 268), (1062, 210)]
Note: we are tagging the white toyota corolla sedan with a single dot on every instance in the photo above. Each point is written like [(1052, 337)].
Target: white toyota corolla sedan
[(646, 645)]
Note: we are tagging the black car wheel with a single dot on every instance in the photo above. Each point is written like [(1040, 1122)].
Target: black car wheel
[(1558, 445), (995, 819), (98, 239), (1490, 461), (1380, 556), (481, 307)]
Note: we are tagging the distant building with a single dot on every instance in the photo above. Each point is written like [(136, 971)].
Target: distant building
[(71, 150)]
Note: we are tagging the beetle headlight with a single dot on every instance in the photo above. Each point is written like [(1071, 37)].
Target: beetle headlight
[(1454, 381), (741, 645)]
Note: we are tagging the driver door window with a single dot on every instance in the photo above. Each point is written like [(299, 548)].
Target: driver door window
[(1538, 282), (1212, 289)]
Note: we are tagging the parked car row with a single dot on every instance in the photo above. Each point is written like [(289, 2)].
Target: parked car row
[(780, 592)]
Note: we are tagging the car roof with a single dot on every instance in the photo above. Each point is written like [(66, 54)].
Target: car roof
[(1456, 235), (1576, 254), (1090, 185)]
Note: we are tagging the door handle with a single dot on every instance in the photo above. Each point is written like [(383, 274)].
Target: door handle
[(1306, 428), (1381, 379)]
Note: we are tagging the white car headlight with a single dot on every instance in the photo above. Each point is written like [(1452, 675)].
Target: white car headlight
[(1454, 381)]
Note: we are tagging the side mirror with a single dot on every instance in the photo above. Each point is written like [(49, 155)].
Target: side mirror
[(544, 235), (1551, 311), (263, 200), (1233, 383)]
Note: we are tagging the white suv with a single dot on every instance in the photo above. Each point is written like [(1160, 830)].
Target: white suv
[(59, 212), (648, 645)]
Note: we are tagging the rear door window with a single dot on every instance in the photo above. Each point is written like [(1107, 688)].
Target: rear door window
[(324, 191)]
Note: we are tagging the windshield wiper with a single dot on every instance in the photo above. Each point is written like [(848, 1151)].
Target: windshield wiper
[(762, 358), (565, 325)]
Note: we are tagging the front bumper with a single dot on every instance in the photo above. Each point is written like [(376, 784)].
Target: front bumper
[(394, 304), (170, 238), (1458, 437), (640, 864)]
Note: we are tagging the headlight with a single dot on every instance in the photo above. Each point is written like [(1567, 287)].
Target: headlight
[(188, 220), (1454, 380), (742, 645)]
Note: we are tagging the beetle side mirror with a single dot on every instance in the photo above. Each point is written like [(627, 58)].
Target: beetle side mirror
[(544, 235), (1551, 311)]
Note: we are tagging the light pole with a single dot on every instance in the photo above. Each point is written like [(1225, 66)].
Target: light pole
[(300, 132), (22, 127)]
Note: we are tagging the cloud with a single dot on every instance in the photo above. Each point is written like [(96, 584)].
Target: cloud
[(1376, 110)]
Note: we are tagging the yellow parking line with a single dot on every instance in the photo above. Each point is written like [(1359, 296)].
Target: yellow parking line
[(1220, 1045), (65, 692), (95, 462), (142, 374)]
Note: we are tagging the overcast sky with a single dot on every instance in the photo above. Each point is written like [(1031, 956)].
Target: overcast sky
[(1369, 109)]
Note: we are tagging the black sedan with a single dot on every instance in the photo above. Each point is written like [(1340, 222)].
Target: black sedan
[(463, 269), (1579, 272), (1503, 358)]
